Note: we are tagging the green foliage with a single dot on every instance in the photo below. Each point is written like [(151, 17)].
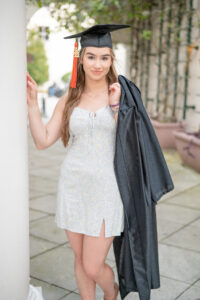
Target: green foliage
[(170, 25), (38, 67), (99, 11), (146, 34), (39, 3), (162, 14), (96, 12), (66, 77), (178, 39)]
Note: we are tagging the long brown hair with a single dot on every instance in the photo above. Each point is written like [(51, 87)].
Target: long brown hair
[(74, 94)]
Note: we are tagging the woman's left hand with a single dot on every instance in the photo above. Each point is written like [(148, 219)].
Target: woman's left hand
[(114, 93)]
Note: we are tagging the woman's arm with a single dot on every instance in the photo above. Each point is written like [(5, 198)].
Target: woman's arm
[(43, 135), (114, 98)]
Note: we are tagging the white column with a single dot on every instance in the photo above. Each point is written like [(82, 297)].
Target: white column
[(14, 213)]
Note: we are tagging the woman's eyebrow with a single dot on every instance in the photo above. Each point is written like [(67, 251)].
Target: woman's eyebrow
[(90, 53)]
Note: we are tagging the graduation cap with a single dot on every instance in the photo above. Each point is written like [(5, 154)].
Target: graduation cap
[(95, 36)]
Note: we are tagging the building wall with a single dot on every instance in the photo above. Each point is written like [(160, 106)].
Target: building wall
[(159, 66)]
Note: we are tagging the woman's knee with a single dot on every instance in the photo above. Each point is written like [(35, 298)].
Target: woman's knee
[(91, 269)]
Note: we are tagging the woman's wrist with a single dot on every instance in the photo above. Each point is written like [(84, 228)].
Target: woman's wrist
[(33, 107), (114, 104), (115, 107)]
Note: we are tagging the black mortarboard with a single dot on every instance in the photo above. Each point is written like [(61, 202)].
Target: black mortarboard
[(95, 36)]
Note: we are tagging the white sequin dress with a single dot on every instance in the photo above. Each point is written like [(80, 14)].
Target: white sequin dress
[(87, 187)]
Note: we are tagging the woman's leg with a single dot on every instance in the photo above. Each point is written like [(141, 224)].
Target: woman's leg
[(95, 250), (86, 285)]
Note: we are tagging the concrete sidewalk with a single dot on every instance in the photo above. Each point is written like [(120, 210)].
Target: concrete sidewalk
[(178, 217)]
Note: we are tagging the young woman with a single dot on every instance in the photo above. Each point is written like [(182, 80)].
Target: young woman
[(89, 206)]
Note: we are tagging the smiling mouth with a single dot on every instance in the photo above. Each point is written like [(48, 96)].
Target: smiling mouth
[(97, 72)]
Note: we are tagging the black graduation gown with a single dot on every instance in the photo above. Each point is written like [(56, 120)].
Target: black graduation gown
[(143, 177)]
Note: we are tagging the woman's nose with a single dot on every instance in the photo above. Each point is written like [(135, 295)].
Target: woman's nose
[(97, 63)]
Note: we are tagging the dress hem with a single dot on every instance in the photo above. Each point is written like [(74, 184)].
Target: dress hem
[(63, 226)]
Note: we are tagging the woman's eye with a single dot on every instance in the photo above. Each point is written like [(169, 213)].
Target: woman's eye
[(91, 57)]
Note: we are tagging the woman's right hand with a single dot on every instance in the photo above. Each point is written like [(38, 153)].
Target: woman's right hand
[(32, 91)]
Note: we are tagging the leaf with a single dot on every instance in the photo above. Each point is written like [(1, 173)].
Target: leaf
[(39, 3), (146, 34)]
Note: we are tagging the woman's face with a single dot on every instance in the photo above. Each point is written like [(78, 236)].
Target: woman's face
[(96, 62)]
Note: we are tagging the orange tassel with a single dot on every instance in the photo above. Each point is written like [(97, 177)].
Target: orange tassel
[(75, 63)]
